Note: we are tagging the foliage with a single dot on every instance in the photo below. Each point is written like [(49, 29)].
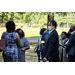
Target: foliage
[(65, 17), (37, 17)]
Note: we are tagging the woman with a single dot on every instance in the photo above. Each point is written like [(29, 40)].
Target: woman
[(62, 45), (24, 46), (39, 42), (12, 41)]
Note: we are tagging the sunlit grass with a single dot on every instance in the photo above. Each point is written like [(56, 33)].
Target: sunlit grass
[(32, 33)]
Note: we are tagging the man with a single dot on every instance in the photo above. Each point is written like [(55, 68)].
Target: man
[(71, 45), (70, 31), (52, 42)]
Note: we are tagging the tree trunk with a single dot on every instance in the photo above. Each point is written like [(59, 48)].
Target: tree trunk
[(50, 17)]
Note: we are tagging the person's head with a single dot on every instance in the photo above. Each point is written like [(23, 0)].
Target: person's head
[(52, 25), (72, 28), (20, 32), (43, 30), (63, 35), (10, 26)]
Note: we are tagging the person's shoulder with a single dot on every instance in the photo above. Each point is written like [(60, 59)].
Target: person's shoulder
[(73, 33), (45, 33), (16, 33), (55, 32), (4, 33), (39, 36), (60, 39), (24, 38)]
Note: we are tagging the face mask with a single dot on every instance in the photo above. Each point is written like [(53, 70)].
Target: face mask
[(62, 36), (20, 34), (49, 28), (71, 30)]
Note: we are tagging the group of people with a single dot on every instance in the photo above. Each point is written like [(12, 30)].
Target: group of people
[(16, 44), (53, 49), (50, 47)]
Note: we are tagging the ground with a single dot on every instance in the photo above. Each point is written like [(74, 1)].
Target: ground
[(30, 34), (30, 56)]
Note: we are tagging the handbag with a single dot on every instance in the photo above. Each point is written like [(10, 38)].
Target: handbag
[(2, 44), (36, 48)]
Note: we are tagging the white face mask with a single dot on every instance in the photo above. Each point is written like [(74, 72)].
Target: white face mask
[(49, 28)]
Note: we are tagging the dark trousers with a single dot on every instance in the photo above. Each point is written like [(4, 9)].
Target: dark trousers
[(38, 53), (71, 58), (54, 59)]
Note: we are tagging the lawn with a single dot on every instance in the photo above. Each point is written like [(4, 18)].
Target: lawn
[(30, 33), (33, 33), (30, 56)]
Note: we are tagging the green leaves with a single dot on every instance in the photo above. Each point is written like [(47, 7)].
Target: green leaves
[(37, 17)]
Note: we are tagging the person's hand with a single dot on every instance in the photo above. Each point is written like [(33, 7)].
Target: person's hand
[(23, 49), (44, 59)]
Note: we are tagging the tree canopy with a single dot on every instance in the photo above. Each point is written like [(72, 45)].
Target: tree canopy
[(37, 17)]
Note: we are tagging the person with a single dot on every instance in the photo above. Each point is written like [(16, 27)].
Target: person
[(43, 40), (52, 43), (12, 41), (70, 31), (63, 43), (24, 45), (71, 46), (39, 42)]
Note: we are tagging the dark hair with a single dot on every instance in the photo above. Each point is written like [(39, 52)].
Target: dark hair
[(42, 30), (53, 23), (10, 25), (17, 30), (65, 33)]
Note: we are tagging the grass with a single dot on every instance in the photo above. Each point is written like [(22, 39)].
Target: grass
[(29, 57), (30, 33), (33, 33)]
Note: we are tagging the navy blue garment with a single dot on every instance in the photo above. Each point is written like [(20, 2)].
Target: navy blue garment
[(71, 58), (71, 45), (44, 36), (51, 47)]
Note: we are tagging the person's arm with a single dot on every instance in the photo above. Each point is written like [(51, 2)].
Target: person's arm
[(70, 43), (26, 45), (39, 42), (52, 42), (18, 41), (25, 48)]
